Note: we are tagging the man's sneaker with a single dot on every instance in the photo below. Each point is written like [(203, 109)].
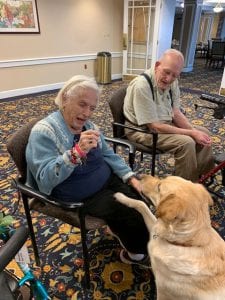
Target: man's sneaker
[(124, 257)]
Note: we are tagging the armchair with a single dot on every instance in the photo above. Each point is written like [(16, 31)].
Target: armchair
[(217, 54), (72, 214), (116, 106)]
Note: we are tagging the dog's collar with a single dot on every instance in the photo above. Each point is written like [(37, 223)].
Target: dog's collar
[(146, 199), (179, 244)]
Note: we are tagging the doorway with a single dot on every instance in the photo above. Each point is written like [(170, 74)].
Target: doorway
[(139, 36)]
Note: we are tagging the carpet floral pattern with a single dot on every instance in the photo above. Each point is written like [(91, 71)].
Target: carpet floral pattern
[(59, 244)]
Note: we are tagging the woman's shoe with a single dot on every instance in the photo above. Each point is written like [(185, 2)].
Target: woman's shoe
[(125, 258)]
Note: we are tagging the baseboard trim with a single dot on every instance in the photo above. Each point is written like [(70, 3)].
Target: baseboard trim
[(30, 90)]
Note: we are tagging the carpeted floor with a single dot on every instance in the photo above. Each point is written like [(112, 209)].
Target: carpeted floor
[(59, 244)]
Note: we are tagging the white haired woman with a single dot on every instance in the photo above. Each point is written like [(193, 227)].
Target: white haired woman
[(68, 158)]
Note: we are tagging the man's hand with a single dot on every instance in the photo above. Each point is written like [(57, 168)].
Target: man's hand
[(201, 138)]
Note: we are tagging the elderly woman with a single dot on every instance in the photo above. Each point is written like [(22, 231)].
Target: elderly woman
[(68, 158)]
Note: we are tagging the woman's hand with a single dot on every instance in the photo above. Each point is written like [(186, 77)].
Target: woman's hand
[(88, 140), (135, 183)]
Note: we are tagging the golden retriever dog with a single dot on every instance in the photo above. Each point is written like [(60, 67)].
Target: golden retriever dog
[(187, 255)]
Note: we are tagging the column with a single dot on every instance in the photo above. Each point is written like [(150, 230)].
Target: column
[(163, 27), (189, 31)]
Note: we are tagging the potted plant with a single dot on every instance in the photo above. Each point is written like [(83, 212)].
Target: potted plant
[(5, 226)]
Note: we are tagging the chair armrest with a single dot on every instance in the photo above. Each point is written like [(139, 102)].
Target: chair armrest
[(32, 193), (12, 246), (214, 99), (134, 128), (121, 142)]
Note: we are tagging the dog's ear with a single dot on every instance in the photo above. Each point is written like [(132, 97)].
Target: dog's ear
[(210, 200), (208, 196), (205, 195), (171, 208)]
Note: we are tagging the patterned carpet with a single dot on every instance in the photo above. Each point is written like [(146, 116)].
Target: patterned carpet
[(59, 244)]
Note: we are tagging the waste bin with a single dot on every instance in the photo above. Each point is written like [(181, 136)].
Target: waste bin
[(103, 67)]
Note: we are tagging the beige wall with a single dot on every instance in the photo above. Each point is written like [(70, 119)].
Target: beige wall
[(71, 29), (214, 26)]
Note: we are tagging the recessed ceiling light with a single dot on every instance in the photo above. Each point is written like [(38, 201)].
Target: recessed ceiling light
[(218, 8)]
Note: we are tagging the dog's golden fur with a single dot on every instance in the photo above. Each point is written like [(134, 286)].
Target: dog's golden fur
[(187, 254)]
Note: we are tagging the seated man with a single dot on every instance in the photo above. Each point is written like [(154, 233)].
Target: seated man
[(68, 158), (155, 105)]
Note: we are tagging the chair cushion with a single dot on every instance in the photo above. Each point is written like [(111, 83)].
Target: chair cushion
[(68, 216)]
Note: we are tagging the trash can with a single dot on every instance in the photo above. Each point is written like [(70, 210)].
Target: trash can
[(104, 67)]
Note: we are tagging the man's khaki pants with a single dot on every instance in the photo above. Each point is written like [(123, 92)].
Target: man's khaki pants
[(191, 160)]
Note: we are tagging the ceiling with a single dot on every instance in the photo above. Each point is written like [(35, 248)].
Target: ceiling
[(213, 1), (207, 4)]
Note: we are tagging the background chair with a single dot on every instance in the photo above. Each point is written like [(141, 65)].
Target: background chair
[(201, 49), (116, 106), (217, 54), (209, 48), (72, 214)]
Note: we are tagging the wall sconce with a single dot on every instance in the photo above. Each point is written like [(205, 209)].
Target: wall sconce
[(218, 8)]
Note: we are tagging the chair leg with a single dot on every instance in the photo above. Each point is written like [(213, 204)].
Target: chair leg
[(131, 160), (31, 228), (154, 143), (84, 246), (223, 176), (114, 148)]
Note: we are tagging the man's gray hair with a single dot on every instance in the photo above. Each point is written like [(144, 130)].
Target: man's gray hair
[(74, 85), (173, 52)]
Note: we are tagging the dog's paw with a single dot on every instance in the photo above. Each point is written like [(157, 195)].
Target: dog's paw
[(120, 197)]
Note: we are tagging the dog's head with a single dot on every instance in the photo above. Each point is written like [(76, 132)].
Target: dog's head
[(181, 205)]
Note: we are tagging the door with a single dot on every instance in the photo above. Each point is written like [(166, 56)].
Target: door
[(140, 36)]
